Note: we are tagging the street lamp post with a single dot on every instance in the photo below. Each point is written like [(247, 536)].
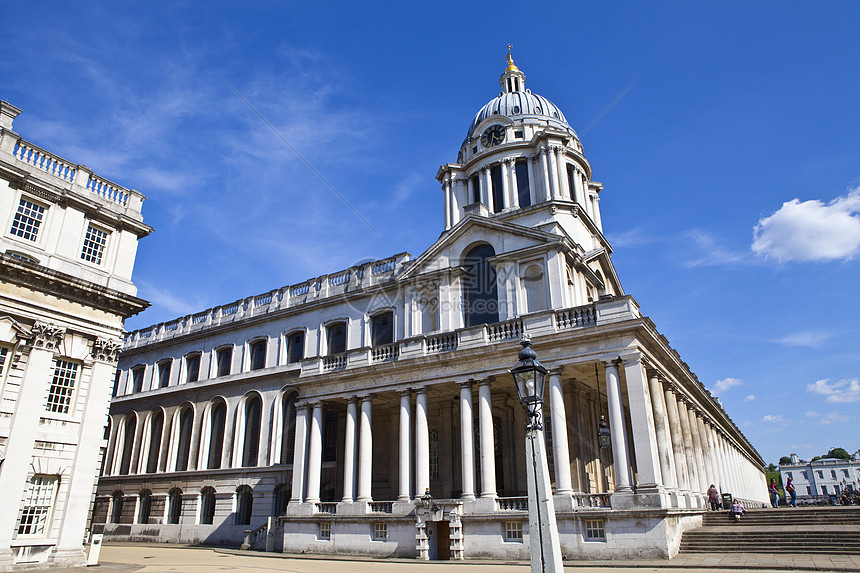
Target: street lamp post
[(529, 377)]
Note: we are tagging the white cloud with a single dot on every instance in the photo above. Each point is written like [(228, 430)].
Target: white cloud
[(830, 418), (811, 414), (774, 419), (721, 386), (712, 251), (811, 230), (749, 398), (846, 390), (810, 339)]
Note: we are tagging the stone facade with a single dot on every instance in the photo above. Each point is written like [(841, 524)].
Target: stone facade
[(823, 478), (338, 404), (68, 248)]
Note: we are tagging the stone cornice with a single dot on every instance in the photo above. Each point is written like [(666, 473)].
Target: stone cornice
[(39, 278)]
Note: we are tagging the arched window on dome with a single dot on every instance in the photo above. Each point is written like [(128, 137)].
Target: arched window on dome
[(479, 287), (535, 289)]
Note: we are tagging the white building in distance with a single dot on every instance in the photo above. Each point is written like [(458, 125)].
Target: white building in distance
[(822, 478), (335, 404), (67, 248)]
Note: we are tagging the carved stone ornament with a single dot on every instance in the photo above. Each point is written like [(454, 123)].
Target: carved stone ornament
[(47, 336), (106, 350)]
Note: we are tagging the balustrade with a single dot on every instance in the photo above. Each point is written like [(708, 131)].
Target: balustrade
[(326, 507), (381, 506), (263, 300), (107, 190), (512, 504), (592, 500), (508, 330), (336, 362), (574, 317), (441, 343), (44, 161), (384, 353)]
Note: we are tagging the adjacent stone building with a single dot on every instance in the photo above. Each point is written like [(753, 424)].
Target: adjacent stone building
[(67, 248), (823, 478), (371, 411)]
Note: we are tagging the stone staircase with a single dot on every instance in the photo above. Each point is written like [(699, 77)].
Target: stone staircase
[(797, 530)]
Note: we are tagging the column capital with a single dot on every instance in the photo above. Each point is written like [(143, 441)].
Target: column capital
[(106, 350), (405, 392), (486, 381), (466, 383), (366, 397), (632, 359), (421, 390), (46, 336)]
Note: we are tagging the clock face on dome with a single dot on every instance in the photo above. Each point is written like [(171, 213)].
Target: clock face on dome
[(493, 135)]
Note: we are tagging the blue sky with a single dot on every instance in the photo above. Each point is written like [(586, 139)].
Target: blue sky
[(731, 163)]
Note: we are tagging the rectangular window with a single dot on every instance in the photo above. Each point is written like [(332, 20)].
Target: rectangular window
[(38, 503), (513, 531), (808, 490), (336, 338), (820, 474), (595, 529), (382, 329), (833, 474), (498, 191), (137, 379), (523, 192), (95, 242), (62, 387), (258, 355), (518, 134), (803, 474), (380, 531), (164, 374), (192, 367), (824, 490), (324, 531), (224, 358), (27, 220), (296, 347), (844, 472), (476, 189)]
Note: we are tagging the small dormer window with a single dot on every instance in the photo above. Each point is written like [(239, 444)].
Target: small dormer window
[(518, 134), (516, 109), (475, 149)]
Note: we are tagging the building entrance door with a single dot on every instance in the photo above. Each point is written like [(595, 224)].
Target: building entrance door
[(443, 541)]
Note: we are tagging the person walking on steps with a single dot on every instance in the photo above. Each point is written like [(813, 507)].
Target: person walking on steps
[(789, 487), (737, 510), (714, 498), (774, 492)]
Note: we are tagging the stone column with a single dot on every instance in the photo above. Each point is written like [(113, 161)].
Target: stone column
[(544, 163), (467, 437), (91, 433), (616, 427), (488, 454), (698, 456), (693, 470), (422, 444), (405, 475), (349, 448), (232, 404), (506, 187), (486, 188), (642, 420), (715, 456), (560, 447), (677, 437), (711, 475), (576, 193), (300, 451), (263, 451), (514, 185), (563, 190), (315, 454), (365, 451), (664, 445), (446, 201)]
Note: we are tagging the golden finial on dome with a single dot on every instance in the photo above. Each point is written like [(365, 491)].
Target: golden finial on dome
[(511, 67)]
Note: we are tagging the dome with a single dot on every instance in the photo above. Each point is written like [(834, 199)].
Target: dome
[(516, 105)]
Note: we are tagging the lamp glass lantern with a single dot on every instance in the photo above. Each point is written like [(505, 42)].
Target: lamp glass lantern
[(604, 436), (529, 377)]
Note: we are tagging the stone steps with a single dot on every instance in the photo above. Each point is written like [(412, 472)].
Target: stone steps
[(801, 530)]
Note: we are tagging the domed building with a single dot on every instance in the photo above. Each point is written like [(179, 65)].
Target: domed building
[(372, 411)]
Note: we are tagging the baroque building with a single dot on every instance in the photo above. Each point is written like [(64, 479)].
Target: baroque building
[(371, 411), (823, 478), (66, 255)]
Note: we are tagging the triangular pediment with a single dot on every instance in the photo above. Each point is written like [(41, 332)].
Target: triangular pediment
[(505, 238)]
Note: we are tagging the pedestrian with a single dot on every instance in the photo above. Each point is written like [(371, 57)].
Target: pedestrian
[(714, 498), (774, 492), (789, 487), (737, 509)]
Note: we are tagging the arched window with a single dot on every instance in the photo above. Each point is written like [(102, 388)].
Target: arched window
[(533, 284), (174, 501), (288, 428), (481, 294), (280, 499), (216, 435), (244, 505), (428, 304), (192, 367), (116, 510), (224, 359), (336, 335), (295, 347), (164, 373), (251, 447), (207, 505), (145, 506), (258, 354), (382, 328), (156, 427), (186, 420), (127, 444)]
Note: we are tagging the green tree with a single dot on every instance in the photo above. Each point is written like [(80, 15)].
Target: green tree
[(772, 467), (838, 453), (784, 460), (815, 458)]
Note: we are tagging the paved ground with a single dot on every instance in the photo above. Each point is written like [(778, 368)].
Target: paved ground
[(146, 558)]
